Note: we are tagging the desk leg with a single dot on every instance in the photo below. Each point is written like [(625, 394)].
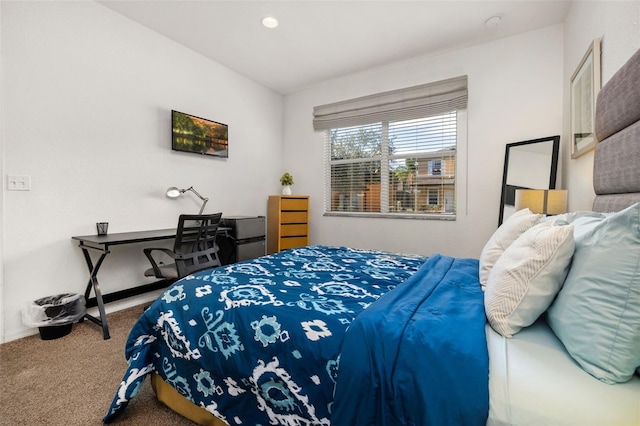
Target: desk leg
[(93, 283)]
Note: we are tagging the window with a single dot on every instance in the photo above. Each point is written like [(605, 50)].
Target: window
[(432, 197), (392, 167), (435, 167), (393, 154)]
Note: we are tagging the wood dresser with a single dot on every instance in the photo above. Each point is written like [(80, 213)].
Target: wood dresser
[(287, 222)]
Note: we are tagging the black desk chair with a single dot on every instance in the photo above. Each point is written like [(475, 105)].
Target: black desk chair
[(194, 249)]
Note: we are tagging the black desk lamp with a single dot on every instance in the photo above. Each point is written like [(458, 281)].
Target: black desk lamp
[(174, 192)]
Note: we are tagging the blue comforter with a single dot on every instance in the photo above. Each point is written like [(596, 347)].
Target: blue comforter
[(418, 355), (257, 342), (260, 342)]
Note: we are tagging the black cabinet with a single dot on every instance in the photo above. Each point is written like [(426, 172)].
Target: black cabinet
[(245, 240)]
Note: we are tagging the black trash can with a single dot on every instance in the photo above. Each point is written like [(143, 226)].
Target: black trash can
[(54, 315)]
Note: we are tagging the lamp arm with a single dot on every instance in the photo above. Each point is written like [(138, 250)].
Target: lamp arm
[(204, 202), (204, 199)]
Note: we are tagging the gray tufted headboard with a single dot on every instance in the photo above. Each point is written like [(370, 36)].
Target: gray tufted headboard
[(616, 172)]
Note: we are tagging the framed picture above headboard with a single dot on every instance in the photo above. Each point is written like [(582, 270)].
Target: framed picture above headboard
[(585, 84)]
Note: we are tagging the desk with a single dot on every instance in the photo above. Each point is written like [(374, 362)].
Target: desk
[(102, 243)]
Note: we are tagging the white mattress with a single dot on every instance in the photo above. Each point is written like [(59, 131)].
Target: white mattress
[(534, 381)]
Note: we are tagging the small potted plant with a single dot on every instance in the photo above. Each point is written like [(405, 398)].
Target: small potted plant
[(286, 180)]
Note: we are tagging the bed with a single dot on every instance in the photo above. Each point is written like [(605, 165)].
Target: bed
[(543, 328), (260, 342)]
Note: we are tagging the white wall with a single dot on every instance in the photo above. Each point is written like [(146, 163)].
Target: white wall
[(515, 94), (1, 192), (86, 101), (618, 23)]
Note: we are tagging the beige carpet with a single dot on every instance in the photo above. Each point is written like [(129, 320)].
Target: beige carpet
[(72, 380)]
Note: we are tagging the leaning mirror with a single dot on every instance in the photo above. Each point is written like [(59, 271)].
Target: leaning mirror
[(528, 165)]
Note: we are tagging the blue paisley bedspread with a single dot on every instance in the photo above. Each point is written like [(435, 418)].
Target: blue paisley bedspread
[(258, 342)]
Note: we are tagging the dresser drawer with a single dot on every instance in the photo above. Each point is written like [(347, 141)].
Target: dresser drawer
[(296, 230), (291, 242), (300, 204), (294, 217)]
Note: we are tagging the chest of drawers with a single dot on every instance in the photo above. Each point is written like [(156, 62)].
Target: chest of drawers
[(287, 222)]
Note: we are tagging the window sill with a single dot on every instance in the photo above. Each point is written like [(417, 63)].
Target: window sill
[(425, 216)]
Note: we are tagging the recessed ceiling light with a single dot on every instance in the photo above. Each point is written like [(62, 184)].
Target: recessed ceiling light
[(269, 22), (493, 21)]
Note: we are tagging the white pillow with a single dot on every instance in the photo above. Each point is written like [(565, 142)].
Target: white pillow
[(507, 233), (527, 277)]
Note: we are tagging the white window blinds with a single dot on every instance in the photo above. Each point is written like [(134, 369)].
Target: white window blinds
[(404, 104)]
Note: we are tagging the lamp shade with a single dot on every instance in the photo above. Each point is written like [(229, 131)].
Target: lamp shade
[(544, 201), (174, 192)]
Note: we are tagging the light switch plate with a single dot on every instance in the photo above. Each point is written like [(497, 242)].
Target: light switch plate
[(18, 183)]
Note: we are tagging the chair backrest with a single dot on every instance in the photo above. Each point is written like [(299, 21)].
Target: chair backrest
[(195, 245)]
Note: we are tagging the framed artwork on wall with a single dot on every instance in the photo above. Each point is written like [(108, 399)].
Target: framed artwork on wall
[(199, 135), (585, 84)]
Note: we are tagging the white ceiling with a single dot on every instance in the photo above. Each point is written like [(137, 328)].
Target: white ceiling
[(319, 40)]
